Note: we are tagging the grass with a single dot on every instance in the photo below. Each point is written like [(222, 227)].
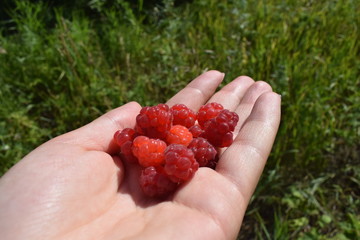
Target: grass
[(62, 67)]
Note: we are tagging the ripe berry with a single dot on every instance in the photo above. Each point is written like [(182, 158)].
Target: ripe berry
[(149, 152), (218, 131), (203, 151), (212, 163), (126, 152), (208, 111), (196, 131), (154, 122), (124, 138), (183, 115), (155, 183), (179, 135), (170, 147), (180, 164)]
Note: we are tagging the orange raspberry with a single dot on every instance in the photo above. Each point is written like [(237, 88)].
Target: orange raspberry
[(179, 135), (149, 152)]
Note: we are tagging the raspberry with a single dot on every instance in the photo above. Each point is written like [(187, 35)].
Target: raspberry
[(212, 163), (183, 115), (196, 131), (218, 131), (155, 121), (179, 135), (180, 164), (149, 152), (208, 111), (170, 147), (124, 138), (203, 151), (126, 152), (155, 183)]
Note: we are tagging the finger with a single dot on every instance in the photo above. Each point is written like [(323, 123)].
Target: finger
[(98, 134), (198, 91), (230, 96), (213, 195), (243, 162), (247, 102), (225, 196), (240, 96)]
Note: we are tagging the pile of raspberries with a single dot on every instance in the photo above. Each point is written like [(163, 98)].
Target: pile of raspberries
[(170, 144)]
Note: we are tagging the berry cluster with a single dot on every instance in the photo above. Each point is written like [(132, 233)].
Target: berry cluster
[(170, 144)]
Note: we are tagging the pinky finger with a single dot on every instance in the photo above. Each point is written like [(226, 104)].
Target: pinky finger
[(243, 162)]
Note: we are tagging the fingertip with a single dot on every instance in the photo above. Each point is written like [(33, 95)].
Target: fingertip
[(268, 108), (232, 93), (270, 99), (122, 115), (244, 78), (213, 75), (214, 72), (201, 89), (263, 85), (132, 104)]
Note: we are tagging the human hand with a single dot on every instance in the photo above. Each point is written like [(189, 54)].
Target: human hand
[(75, 187)]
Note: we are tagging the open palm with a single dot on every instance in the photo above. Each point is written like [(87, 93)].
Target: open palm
[(75, 187)]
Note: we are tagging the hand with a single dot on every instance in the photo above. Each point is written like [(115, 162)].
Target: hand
[(75, 187)]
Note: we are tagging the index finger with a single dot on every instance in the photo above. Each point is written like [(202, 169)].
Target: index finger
[(198, 91)]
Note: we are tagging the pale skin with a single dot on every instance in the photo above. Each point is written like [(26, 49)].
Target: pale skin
[(75, 187)]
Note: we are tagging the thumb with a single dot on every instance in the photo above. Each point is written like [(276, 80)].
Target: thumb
[(98, 134)]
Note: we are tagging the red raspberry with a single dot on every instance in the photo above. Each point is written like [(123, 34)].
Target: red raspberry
[(203, 151), (155, 121), (155, 183), (183, 115), (126, 152), (212, 163), (196, 131), (218, 131), (124, 138), (180, 164), (179, 135), (208, 111), (150, 152)]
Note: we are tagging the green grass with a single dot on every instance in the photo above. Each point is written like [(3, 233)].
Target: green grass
[(62, 67)]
